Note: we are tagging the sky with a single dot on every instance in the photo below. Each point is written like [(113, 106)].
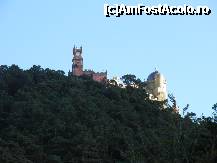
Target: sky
[(182, 48)]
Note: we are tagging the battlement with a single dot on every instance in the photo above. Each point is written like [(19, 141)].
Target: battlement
[(88, 70), (101, 73), (77, 50)]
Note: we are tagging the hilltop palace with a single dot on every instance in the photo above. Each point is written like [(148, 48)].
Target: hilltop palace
[(156, 83)]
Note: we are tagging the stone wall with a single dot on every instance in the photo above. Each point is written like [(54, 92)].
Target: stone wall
[(100, 77)]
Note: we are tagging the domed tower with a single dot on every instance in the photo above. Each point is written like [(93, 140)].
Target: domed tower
[(156, 86), (77, 62)]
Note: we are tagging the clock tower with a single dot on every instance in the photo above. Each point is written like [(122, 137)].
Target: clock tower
[(77, 66)]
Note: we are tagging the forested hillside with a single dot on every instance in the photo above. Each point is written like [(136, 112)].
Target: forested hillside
[(48, 117)]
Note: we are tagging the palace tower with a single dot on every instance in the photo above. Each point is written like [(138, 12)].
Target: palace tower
[(77, 67)]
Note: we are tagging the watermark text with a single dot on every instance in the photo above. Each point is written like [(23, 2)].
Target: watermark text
[(140, 9)]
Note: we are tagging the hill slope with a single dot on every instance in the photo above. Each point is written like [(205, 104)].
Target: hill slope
[(47, 117)]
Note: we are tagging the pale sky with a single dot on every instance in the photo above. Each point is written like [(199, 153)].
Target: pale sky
[(183, 48)]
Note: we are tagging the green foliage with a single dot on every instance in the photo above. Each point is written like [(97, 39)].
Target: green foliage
[(47, 117), (131, 80)]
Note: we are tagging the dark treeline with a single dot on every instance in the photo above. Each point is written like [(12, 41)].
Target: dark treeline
[(48, 117)]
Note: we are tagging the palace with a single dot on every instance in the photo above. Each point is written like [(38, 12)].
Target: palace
[(77, 67), (156, 85)]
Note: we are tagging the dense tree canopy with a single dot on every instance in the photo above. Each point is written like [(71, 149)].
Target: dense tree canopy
[(47, 117)]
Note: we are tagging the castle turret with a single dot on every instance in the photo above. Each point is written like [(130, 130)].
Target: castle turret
[(156, 86), (77, 62)]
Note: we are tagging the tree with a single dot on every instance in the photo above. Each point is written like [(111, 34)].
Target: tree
[(129, 79), (46, 116), (214, 108)]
